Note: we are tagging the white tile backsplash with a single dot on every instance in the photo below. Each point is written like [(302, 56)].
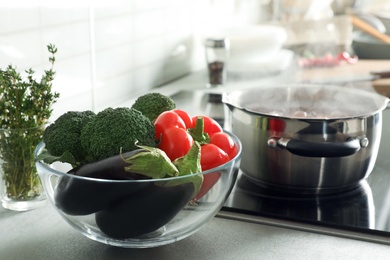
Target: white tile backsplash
[(71, 39), (80, 102), (18, 19), (114, 61), (178, 17), (142, 5), (73, 75), (149, 51), (178, 49), (22, 49), (113, 31), (107, 52), (147, 77), (51, 15), (149, 23), (114, 90), (114, 8)]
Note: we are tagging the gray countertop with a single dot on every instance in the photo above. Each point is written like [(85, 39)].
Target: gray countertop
[(42, 234)]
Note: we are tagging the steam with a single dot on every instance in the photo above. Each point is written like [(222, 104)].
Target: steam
[(308, 101)]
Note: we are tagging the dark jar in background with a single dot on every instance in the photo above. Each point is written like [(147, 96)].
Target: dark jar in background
[(217, 53)]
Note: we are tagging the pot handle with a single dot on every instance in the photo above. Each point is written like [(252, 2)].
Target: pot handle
[(320, 149)]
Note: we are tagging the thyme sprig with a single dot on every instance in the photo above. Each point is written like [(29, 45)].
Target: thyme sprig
[(25, 105), (26, 102)]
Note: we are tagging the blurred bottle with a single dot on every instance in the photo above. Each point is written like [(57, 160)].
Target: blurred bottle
[(217, 53)]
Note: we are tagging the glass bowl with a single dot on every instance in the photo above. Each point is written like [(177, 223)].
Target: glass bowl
[(135, 213)]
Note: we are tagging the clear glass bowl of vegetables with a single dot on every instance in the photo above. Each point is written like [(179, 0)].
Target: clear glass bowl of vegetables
[(143, 197)]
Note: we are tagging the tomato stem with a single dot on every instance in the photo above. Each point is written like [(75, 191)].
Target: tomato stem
[(198, 133)]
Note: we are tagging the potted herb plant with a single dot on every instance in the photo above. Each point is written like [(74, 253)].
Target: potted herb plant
[(26, 106)]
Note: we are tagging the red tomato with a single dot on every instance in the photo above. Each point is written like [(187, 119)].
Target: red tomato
[(167, 120), (212, 156), (175, 142), (209, 181), (225, 142), (185, 116), (210, 125)]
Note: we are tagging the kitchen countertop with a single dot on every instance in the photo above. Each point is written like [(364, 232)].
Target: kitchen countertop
[(346, 71), (198, 80), (42, 234)]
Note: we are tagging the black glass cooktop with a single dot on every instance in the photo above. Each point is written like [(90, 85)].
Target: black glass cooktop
[(365, 209)]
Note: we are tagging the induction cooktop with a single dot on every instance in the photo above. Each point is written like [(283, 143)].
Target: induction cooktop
[(363, 210)]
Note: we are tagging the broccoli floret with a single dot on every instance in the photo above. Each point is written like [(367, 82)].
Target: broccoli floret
[(64, 135), (115, 130), (153, 104)]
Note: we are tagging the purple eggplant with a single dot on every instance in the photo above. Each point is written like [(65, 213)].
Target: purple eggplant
[(144, 211), (76, 195)]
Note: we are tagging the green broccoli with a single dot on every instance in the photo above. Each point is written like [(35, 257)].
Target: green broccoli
[(63, 136), (114, 130), (153, 104)]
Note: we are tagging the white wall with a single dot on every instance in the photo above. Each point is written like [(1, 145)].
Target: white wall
[(109, 51)]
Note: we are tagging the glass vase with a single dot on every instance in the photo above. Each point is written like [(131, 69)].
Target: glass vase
[(20, 187)]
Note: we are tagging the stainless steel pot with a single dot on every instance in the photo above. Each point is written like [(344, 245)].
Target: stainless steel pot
[(307, 138)]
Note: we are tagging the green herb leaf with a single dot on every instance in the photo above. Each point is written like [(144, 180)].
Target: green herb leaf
[(27, 101), (66, 157)]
